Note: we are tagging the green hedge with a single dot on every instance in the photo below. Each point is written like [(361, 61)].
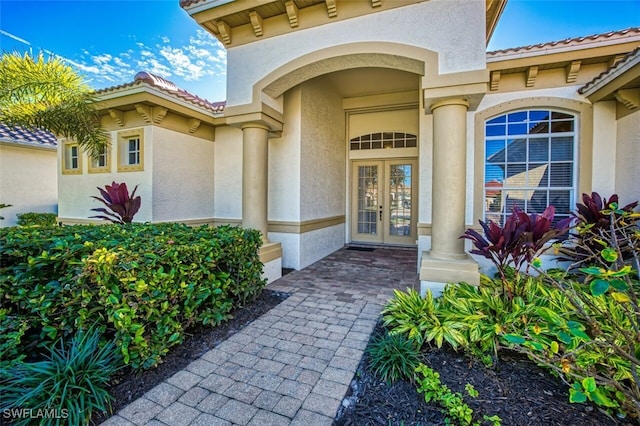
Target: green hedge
[(143, 284), (41, 219)]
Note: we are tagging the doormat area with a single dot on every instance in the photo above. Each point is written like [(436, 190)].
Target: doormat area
[(359, 248)]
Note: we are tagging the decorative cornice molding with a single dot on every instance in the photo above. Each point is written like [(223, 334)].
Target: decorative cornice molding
[(532, 73), (615, 60), (193, 123), (225, 32), (151, 114), (332, 9), (630, 98), (495, 81), (572, 71), (292, 13), (256, 23), (117, 115)]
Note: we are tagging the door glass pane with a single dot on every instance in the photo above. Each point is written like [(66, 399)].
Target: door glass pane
[(367, 199), (400, 199)]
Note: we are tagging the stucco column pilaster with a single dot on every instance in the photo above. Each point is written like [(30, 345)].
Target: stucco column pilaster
[(449, 178), (255, 164), (447, 261)]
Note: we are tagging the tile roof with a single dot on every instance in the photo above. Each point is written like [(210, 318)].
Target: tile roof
[(20, 135), (629, 32), (187, 3), (630, 57), (144, 77)]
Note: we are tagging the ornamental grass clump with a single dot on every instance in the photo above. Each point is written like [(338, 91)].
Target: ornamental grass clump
[(69, 383), (393, 357)]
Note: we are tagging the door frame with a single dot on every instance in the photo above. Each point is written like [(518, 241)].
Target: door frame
[(384, 237)]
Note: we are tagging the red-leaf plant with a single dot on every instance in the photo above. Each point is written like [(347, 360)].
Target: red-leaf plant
[(117, 199), (594, 225), (522, 238)]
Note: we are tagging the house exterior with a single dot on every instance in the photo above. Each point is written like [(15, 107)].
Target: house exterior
[(387, 122), (28, 173), (161, 141)]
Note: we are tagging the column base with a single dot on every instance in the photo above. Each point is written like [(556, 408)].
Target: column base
[(436, 273), (271, 256)]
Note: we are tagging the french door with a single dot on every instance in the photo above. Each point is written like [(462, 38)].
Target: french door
[(384, 201)]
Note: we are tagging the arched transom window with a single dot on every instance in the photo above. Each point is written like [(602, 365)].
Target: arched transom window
[(383, 140), (529, 162)]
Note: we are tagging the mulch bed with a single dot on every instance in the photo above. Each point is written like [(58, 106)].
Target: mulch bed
[(516, 389), (198, 341)]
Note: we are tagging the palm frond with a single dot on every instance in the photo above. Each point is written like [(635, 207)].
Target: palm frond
[(48, 94)]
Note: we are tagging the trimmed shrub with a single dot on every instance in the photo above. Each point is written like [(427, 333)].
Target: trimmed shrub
[(144, 284), (40, 219)]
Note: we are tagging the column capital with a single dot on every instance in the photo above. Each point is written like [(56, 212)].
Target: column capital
[(254, 125), (251, 116), (470, 86), (450, 101)]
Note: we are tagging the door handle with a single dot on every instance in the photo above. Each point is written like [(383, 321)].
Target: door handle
[(380, 212)]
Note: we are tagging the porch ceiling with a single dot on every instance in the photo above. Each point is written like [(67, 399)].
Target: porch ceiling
[(372, 81)]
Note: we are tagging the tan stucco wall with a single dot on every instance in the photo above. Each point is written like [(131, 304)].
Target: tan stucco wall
[(284, 162), (75, 191), (456, 34), (604, 148), (628, 158), (28, 181), (228, 173), (307, 172), (322, 186), (183, 178)]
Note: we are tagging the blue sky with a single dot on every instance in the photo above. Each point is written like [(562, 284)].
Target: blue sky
[(110, 40)]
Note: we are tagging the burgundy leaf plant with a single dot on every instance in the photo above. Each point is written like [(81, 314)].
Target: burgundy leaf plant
[(122, 206), (522, 238)]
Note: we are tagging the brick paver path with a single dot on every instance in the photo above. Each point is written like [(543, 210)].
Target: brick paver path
[(293, 365)]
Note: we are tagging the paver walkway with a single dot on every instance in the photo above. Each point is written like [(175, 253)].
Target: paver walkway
[(293, 365)]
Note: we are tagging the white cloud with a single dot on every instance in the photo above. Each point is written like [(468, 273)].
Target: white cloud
[(201, 59)]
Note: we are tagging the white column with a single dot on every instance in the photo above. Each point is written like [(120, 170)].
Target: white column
[(449, 179), (447, 261), (255, 147)]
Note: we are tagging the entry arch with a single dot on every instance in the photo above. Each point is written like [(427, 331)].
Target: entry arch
[(396, 56)]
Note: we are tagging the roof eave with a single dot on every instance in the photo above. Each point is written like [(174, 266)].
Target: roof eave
[(28, 144), (494, 10), (122, 96), (617, 78)]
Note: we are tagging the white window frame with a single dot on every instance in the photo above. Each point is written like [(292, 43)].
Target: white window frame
[(548, 188)]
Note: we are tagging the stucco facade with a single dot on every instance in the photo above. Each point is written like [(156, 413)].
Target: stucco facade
[(341, 129), (173, 156), (28, 177)]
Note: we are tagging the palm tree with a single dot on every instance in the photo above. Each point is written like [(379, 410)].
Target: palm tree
[(48, 94)]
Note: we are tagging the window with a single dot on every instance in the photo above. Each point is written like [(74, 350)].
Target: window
[(102, 163), (130, 151), (529, 162), (72, 159), (384, 140)]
